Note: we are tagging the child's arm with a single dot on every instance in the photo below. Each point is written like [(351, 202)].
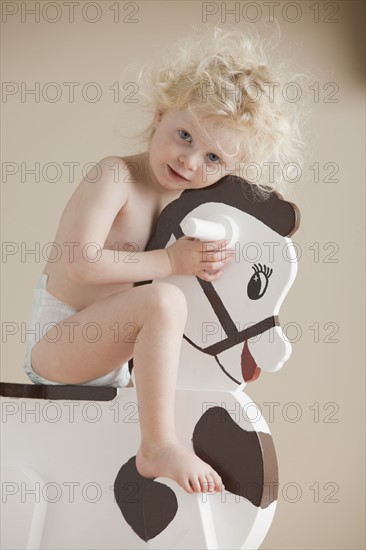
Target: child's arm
[(88, 226), (90, 222)]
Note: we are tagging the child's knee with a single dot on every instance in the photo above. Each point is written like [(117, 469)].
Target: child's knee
[(168, 299)]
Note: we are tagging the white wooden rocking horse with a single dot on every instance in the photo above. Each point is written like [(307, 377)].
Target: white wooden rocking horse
[(69, 479)]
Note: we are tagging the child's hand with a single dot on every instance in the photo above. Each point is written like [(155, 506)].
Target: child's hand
[(189, 256)]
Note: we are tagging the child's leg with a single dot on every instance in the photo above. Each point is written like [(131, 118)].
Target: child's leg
[(158, 313), (160, 452)]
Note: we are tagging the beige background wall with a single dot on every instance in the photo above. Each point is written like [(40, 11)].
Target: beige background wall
[(320, 455)]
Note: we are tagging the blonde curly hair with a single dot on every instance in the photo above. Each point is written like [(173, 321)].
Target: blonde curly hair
[(224, 76)]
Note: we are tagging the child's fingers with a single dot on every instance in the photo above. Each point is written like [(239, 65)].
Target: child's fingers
[(216, 263), (216, 249), (219, 257), (211, 246), (210, 276)]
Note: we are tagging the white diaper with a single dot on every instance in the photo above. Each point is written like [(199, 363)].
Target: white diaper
[(48, 309)]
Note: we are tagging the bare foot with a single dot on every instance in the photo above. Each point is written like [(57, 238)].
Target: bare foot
[(173, 460)]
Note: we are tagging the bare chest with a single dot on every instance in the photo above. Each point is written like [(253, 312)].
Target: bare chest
[(134, 225), (130, 231)]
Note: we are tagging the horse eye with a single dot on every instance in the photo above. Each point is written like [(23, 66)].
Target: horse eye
[(258, 283)]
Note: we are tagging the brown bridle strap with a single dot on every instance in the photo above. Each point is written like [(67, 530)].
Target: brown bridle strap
[(239, 336)]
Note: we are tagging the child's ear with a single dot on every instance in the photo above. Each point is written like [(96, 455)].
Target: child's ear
[(158, 116)]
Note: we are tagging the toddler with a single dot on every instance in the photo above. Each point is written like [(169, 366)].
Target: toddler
[(211, 116)]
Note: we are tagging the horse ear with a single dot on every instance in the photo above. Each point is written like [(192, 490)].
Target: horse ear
[(273, 210), (280, 215), (295, 223)]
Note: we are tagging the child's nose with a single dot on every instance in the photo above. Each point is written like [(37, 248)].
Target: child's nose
[(189, 161)]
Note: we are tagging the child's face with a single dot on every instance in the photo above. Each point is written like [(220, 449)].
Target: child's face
[(183, 156)]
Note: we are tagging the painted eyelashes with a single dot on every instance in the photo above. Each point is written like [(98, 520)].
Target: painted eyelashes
[(258, 283)]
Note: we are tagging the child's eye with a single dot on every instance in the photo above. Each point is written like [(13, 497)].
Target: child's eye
[(185, 135), (216, 159)]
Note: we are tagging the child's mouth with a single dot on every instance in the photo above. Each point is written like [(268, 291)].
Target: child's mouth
[(174, 174)]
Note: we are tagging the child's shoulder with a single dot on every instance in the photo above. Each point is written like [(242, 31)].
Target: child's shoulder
[(103, 176), (105, 187), (117, 166), (127, 169)]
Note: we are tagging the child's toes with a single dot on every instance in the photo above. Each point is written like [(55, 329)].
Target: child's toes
[(195, 484), (205, 483), (187, 486), (218, 480), (211, 484)]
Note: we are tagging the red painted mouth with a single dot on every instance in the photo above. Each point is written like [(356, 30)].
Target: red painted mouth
[(249, 368)]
